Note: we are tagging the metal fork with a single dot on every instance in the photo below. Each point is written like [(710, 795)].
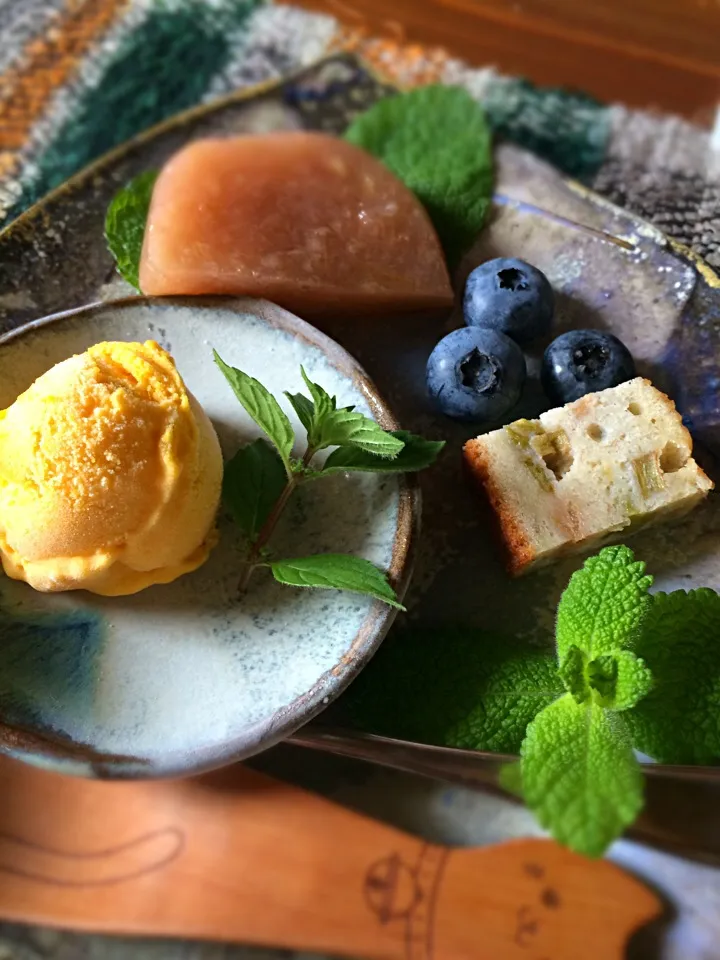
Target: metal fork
[(682, 803)]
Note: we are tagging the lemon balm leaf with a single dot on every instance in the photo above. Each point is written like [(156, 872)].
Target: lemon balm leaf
[(453, 686), (679, 720), (580, 776), (605, 604), (437, 141)]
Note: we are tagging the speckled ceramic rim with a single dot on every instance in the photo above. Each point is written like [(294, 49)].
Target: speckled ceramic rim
[(70, 757)]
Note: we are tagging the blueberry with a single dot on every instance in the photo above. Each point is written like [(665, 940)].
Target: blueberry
[(475, 374), (584, 361), (509, 296)]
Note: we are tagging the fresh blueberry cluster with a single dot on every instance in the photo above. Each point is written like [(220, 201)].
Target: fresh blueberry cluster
[(477, 373)]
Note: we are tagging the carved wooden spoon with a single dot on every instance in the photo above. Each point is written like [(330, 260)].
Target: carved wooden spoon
[(236, 856)]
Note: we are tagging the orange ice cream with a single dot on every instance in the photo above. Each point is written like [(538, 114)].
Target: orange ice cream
[(110, 474)]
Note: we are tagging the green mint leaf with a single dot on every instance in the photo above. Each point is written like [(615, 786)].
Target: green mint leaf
[(619, 680), (252, 482), (580, 776), (416, 454), (604, 605), (323, 402), (337, 571), (679, 720), (572, 672), (125, 224), (347, 428), (454, 687), (437, 141), (333, 427), (304, 408), (328, 426), (262, 406), (312, 413)]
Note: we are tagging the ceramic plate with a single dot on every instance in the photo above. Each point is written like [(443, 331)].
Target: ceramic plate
[(184, 677), (609, 268)]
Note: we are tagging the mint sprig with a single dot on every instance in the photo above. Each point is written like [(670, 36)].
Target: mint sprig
[(125, 224), (437, 141), (631, 672), (261, 478), (579, 773)]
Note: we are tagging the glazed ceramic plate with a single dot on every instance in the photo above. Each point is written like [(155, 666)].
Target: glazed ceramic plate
[(186, 676), (609, 268)]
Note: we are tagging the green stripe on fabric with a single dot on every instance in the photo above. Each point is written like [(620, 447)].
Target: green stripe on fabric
[(163, 66), (569, 130)]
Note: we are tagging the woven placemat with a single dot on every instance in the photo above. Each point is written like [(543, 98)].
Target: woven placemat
[(78, 77)]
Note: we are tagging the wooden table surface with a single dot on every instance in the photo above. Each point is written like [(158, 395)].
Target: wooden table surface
[(644, 53)]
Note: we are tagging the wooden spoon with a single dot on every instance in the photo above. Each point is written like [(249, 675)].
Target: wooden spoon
[(236, 856)]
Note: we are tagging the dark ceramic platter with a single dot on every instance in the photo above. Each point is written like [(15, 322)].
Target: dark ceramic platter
[(610, 270)]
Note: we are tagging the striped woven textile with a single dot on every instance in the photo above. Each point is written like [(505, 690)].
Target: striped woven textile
[(78, 77)]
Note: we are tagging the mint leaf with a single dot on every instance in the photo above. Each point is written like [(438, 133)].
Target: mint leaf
[(125, 224), (348, 428), (454, 687), (337, 571), (416, 454), (579, 774), (323, 403), (328, 426), (437, 141), (679, 720), (252, 482), (604, 605), (619, 680), (304, 408), (262, 406), (312, 413)]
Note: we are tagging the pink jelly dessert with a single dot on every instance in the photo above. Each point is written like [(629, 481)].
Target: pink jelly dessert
[(306, 220)]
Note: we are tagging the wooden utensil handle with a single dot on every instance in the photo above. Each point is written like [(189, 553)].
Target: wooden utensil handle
[(232, 856), (239, 857)]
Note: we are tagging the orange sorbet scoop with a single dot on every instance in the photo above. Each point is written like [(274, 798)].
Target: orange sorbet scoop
[(303, 219), (110, 474)]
